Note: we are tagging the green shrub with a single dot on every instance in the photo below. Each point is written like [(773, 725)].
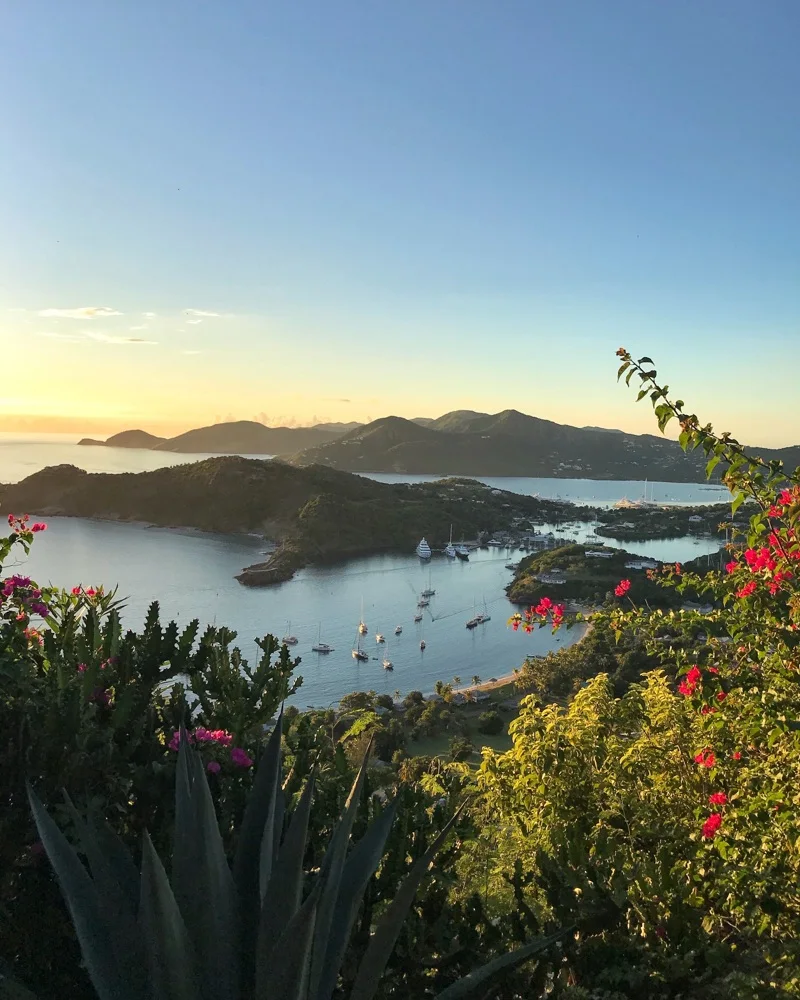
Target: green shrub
[(490, 723)]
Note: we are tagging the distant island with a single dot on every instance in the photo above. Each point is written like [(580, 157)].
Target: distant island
[(238, 437), (459, 443), (510, 443)]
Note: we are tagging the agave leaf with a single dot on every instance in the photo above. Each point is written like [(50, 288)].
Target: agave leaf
[(331, 875), (170, 957), (81, 897), (287, 979), (358, 869), (203, 886), (117, 909), (258, 818), (121, 863), (285, 890), (475, 985), (386, 933)]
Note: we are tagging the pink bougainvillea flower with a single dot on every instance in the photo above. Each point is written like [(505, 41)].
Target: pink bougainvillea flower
[(747, 589), (711, 826), (39, 526), (76, 591), (732, 566), (622, 588), (543, 606), (718, 799), (90, 592), (557, 614), (240, 758), (213, 767)]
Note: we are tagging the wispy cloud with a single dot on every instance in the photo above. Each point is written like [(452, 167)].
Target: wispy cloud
[(193, 322), (202, 313), (110, 338), (94, 336), (191, 352), (135, 329), (82, 312), (149, 315)]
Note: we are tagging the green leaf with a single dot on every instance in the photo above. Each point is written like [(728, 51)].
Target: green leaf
[(645, 361), (82, 900), (389, 926), (258, 823), (171, 960), (622, 368), (331, 874), (117, 906), (738, 500), (711, 465), (642, 393), (202, 881), (358, 870), (475, 985), (285, 888), (288, 979)]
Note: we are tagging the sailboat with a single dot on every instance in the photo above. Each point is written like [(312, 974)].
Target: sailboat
[(449, 550), (320, 646), (475, 621), (358, 653), (362, 628), (380, 637), (418, 618), (289, 639), (398, 630), (387, 663), (428, 592)]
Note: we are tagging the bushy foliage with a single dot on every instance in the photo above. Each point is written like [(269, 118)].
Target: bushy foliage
[(490, 723), (678, 799)]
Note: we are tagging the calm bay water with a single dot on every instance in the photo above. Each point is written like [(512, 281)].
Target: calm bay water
[(192, 575)]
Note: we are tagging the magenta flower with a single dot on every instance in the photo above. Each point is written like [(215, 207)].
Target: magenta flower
[(240, 758), (213, 767)]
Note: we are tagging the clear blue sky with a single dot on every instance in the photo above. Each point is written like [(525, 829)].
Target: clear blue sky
[(410, 206)]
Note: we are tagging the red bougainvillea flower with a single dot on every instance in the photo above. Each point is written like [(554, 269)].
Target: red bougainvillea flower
[(722, 695), (705, 758), (718, 799), (90, 591), (688, 685), (622, 588), (39, 526), (774, 511), (736, 755), (543, 606), (678, 569), (732, 566), (785, 499), (557, 614), (711, 826), (76, 591), (707, 710), (748, 589)]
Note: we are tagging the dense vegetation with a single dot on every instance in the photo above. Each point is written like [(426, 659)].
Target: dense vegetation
[(315, 514), (641, 836), (509, 444)]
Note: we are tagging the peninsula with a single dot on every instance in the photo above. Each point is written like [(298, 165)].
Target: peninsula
[(310, 515)]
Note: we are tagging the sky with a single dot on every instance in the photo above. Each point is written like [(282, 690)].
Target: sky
[(335, 211)]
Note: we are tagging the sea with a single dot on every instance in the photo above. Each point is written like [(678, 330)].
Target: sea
[(191, 575)]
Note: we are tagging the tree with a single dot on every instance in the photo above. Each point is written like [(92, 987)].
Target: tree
[(476, 679), (456, 682), (460, 748), (490, 723)]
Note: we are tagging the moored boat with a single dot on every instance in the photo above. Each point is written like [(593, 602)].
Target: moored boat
[(462, 552), (380, 637), (289, 639), (398, 630), (449, 550), (424, 550)]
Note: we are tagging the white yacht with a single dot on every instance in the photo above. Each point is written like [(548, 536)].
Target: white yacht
[(380, 637), (398, 630), (388, 665), (320, 646), (424, 550), (450, 550), (462, 552)]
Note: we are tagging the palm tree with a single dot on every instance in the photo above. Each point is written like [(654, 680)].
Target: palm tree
[(438, 687), (397, 695), (456, 682), (476, 679)]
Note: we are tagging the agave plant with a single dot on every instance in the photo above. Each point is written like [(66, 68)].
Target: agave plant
[(264, 929)]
